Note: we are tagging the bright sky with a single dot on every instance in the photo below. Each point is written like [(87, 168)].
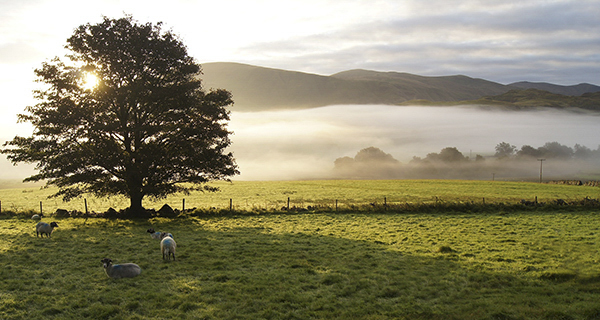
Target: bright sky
[(554, 41)]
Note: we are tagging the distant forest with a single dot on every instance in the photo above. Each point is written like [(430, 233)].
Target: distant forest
[(509, 162)]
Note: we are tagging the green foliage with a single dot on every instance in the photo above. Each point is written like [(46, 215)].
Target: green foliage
[(147, 129), (321, 266)]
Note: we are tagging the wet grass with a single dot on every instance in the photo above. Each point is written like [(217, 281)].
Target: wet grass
[(517, 265)]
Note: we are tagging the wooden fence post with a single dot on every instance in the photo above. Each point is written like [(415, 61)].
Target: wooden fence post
[(230, 204), (41, 211), (336, 205), (288, 204), (85, 203), (183, 205)]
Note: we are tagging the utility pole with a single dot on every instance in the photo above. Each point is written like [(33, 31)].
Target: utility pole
[(541, 165)]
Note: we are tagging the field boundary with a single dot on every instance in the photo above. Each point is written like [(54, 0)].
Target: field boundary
[(290, 205)]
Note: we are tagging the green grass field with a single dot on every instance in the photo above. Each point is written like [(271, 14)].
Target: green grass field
[(273, 195), (522, 263)]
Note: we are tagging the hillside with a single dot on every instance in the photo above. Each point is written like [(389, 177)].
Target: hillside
[(575, 90), (527, 98), (258, 88)]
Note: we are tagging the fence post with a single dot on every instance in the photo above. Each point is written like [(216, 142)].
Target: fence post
[(230, 204), (85, 203), (384, 203), (183, 205), (288, 204), (41, 211), (336, 205)]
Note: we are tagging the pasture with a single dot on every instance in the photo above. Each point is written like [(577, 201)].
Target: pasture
[(259, 196), (522, 265), (361, 262)]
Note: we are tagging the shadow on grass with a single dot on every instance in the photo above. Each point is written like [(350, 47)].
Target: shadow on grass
[(229, 272)]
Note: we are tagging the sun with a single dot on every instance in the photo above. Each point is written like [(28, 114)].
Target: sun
[(90, 81)]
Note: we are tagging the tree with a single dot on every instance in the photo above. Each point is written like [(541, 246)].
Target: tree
[(372, 154), (146, 129), (448, 155), (505, 150)]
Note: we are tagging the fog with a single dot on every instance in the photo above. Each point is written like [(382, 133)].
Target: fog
[(303, 144)]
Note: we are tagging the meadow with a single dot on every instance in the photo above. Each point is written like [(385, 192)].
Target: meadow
[(523, 263), (261, 196)]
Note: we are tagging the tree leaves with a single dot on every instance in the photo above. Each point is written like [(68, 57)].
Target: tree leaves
[(146, 129)]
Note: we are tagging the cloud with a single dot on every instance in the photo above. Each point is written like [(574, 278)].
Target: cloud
[(538, 41)]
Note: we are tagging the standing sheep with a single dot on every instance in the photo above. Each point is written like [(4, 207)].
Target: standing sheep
[(116, 271), (43, 228), (167, 247)]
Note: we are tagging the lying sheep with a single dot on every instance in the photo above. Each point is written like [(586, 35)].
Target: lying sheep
[(158, 235), (43, 228), (37, 216), (116, 271), (167, 247)]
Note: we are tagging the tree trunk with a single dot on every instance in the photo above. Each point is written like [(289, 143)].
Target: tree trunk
[(136, 208)]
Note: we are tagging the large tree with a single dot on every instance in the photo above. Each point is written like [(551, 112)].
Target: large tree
[(144, 127)]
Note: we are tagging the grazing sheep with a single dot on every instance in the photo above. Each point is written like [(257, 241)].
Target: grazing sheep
[(37, 216), (116, 271), (158, 235), (167, 247), (43, 228)]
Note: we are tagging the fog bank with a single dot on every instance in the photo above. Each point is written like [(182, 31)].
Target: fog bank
[(303, 144)]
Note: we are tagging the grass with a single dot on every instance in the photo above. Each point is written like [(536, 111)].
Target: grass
[(273, 195), (521, 265)]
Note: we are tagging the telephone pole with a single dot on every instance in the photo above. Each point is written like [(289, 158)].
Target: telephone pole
[(541, 165)]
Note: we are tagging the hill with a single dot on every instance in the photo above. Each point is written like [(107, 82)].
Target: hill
[(258, 88), (575, 90), (528, 98)]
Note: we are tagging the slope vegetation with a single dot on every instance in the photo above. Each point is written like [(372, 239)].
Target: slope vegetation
[(258, 88)]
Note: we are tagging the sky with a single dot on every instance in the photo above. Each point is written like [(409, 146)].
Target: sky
[(497, 40)]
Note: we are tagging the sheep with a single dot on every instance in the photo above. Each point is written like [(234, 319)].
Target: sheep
[(167, 247), (158, 235), (43, 228), (116, 271), (37, 216)]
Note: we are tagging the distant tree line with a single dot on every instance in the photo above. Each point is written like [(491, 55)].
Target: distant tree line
[(450, 163), (550, 150)]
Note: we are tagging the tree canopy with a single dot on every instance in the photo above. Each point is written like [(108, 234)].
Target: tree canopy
[(144, 126)]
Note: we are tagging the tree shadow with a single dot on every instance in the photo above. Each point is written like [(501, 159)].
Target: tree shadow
[(257, 273)]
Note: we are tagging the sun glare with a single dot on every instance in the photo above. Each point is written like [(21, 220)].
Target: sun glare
[(90, 81)]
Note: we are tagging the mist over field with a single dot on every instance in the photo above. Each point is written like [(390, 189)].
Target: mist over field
[(303, 144)]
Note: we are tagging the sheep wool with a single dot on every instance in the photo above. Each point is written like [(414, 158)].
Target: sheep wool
[(37, 216), (167, 247), (43, 228), (124, 270)]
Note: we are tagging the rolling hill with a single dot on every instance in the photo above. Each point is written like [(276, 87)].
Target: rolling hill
[(258, 88), (575, 90)]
